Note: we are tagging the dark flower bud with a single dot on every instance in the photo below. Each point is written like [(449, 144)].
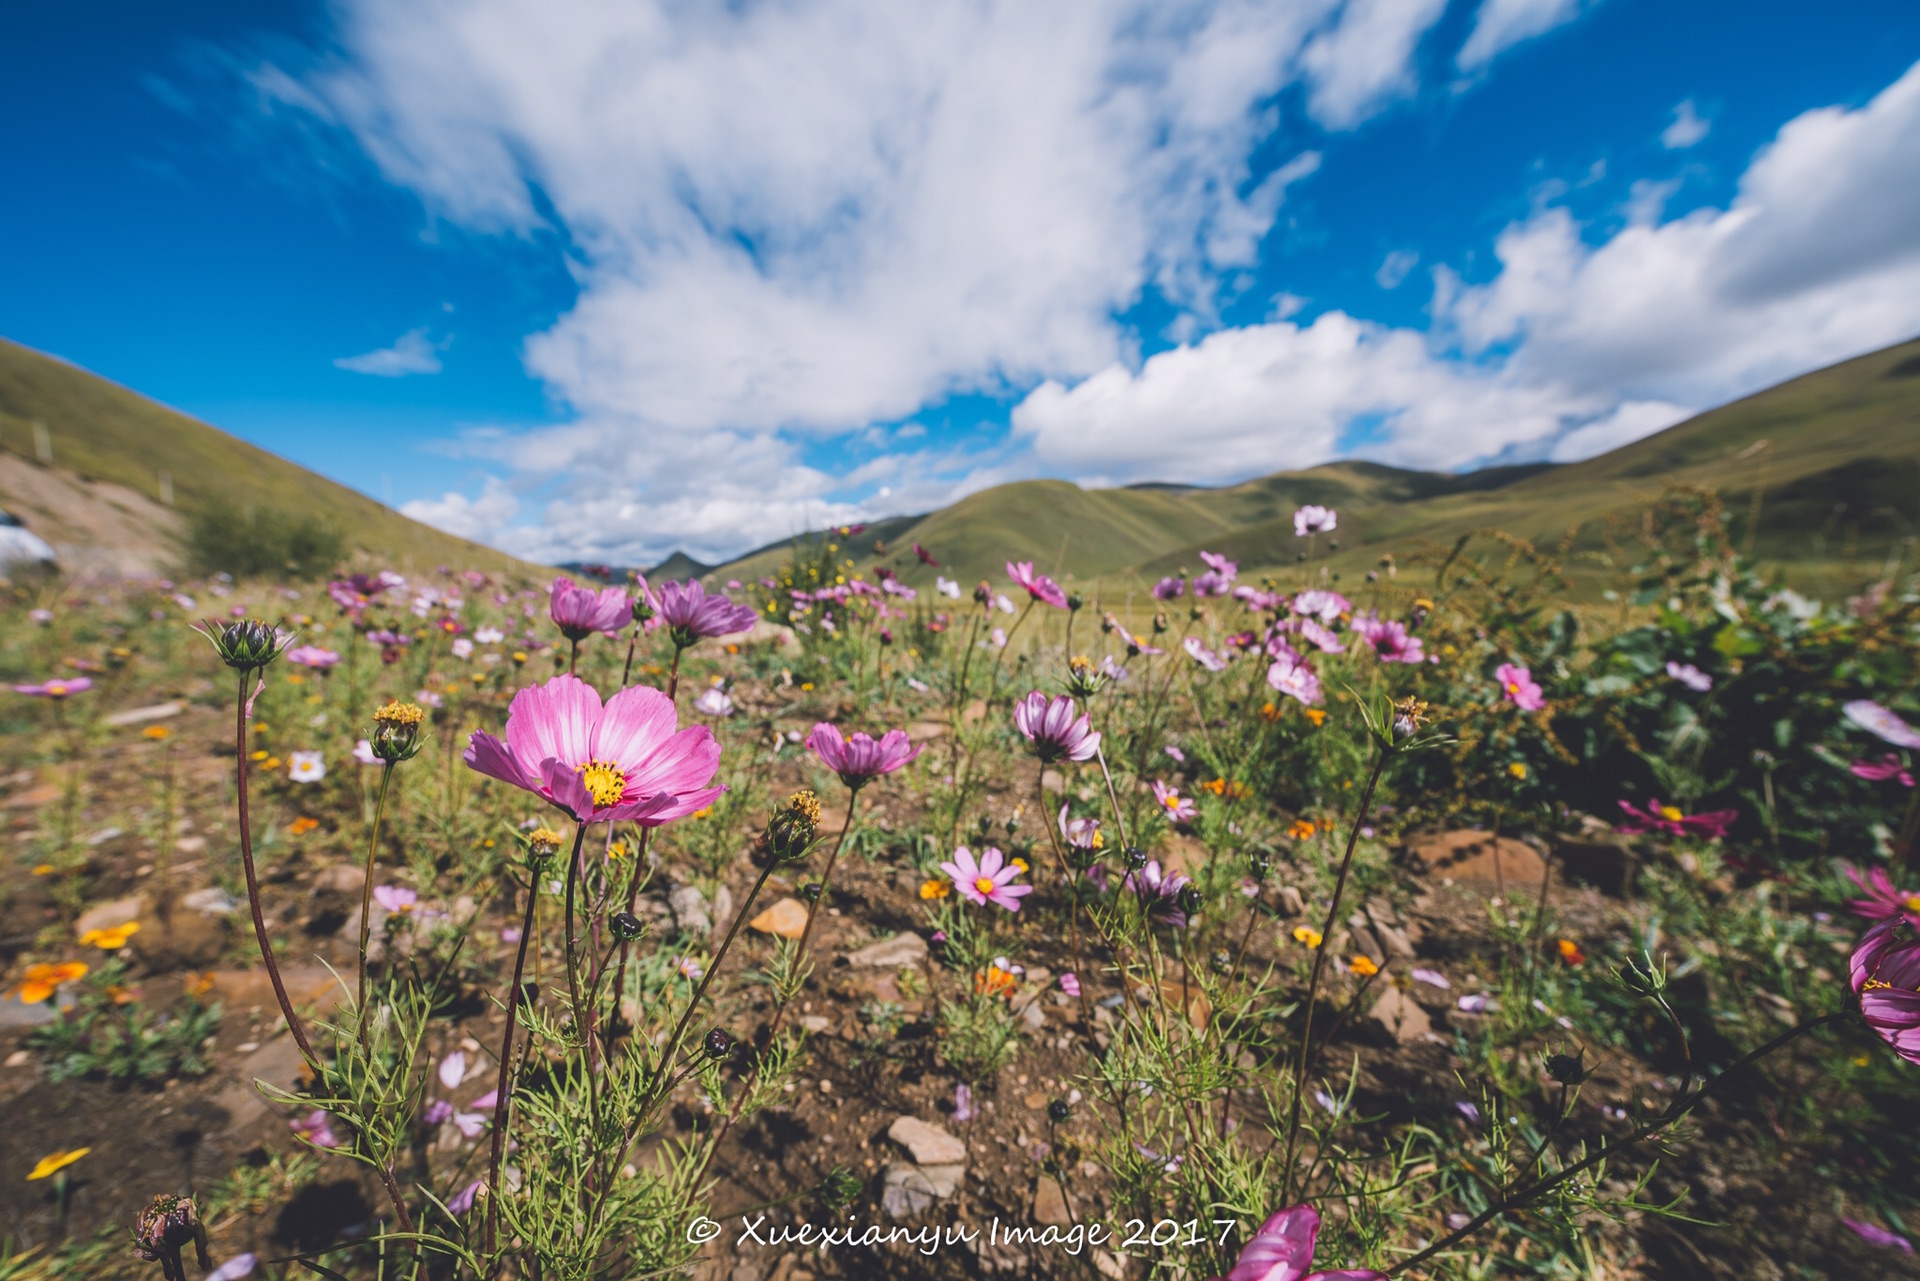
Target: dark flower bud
[(166, 1227), (1135, 856), (247, 645), (1334, 544), (1568, 1069), (719, 1044), (1058, 1112), (529, 993), (1075, 602), (1160, 624), (810, 891), (1191, 900), (396, 732), (791, 829), (840, 1187), (1300, 558), (1422, 610), (1084, 680), (1262, 867), (886, 636), (983, 594), (627, 927)]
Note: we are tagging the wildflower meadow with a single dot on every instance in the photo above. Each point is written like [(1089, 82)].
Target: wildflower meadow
[(1468, 918)]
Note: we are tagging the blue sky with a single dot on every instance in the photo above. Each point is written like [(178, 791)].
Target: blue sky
[(601, 281)]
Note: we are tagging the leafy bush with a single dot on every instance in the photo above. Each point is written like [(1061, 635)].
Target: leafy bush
[(249, 541)]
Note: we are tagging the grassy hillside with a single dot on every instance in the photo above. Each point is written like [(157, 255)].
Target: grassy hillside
[(1829, 463), (102, 432)]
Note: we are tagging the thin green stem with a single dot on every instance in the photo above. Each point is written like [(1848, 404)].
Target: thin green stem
[(366, 902), (503, 1090)]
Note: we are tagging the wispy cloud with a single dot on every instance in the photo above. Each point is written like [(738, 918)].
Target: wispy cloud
[(1689, 127), (413, 353)]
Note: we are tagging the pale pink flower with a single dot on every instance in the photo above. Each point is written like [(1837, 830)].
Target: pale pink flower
[(859, 758), (311, 656), (1390, 639), (397, 899), (314, 1127), (1282, 1250), (1296, 680), (989, 879), (1176, 808), (581, 611), (1314, 520), (453, 1069), (1323, 605), (1052, 728), (463, 1199), (1039, 586), (1690, 676), (1875, 719), (1518, 685), (462, 647), (1202, 655)]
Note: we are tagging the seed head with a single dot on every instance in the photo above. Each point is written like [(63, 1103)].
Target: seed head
[(719, 1044), (246, 645), (627, 927), (1568, 1069), (166, 1227), (396, 732), (1135, 856), (792, 828), (1058, 1112), (543, 843), (1191, 900)]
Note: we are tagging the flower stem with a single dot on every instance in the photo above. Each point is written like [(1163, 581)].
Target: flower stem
[(503, 1090), (1070, 887), (366, 902), (713, 967)]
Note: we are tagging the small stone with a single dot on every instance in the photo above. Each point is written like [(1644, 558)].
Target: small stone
[(342, 878), (689, 908), (1400, 1017), (104, 835), (1291, 901), (1050, 1204), (912, 1189), (107, 915), (891, 954), (141, 715), (213, 901), (16, 1013), (927, 1144), (190, 845), (1034, 1102), (787, 918), (1480, 859), (816, 1023), (19, 1058)]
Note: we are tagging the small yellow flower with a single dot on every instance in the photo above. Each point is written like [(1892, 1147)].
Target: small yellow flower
[(1301, 829), (1318, 715), (1518, 769), (41, 980), (272, 762), (1671, 814), (111, 939), (156, 732), (294, 678), (302, 825), (199, 984), (932, 889), (1021, 864), (1306, 934), (1363, 966), (259, 756), (1862, 1060), (44, 869), (617, 850), (806, 687), (56, 1162), (519, 655)]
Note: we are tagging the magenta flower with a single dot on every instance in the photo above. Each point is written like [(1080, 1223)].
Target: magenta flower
[(693, 615), (1218, 580), (1315, 520), (1292, 677), (859, 759), (312, 656), (56, 689), (1050, 725), (1390, 639), (1070, 983), (1883, 902), (1668, 818), (1323, 638), (926, 557), (1325, 606), (463, 1199), (314, 1128), (1888, 766), (356, 591), (1690, 676), (1518, 685), (581, 611), (1159, 893), (437, 1112), (988, 880), (1039, 586), (1081, 834), (1885, 973), (1177, 808), (1874, 1234), (1170, 588), (1282, 1249), (396, 899), (1875, 719), (1202, 655), (620, 763)]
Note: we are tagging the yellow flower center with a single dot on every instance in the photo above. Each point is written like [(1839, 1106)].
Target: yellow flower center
[(1513, 687), (1912, 902), (1671, 814), (605, 783), (985, 884), (1171, 800)]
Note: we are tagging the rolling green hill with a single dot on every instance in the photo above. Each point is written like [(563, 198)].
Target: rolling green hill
[(1829, 462), (141, 455)]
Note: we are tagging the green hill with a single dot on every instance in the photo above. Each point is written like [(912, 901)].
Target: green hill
[(144, 459), (1828, 462)]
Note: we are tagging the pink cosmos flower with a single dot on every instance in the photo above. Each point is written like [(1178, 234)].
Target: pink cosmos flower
[(1518, 685), (581, 611), (41, 616), (1314, 520), (926, 557), (713, 701), (1885, 973), (462, 647), (1070, 983), (859, 759), (463, 1199), (437, 1112), (1875, 719), (619, 763), (1874, 1234), (694, 615), (1883, 902), (314, 1128), (1888, 766), (397, 899), (1324, 639), (1282, 1250), (1668, 818), (56, 689), (236, 1268), (1051, 727), (962, 1102), (311, 656), (1218, 580), (1039, 586), (1170, 588), (1390, 639), (1202, 655), (990, 879), (363, 752), (453, 1069), (1323, 605), (1159, 893), (1690, 676), (1177, 808), (356, 591), (1081, 833), (1292, 677)]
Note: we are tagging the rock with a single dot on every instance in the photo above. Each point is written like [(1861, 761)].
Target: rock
[(816, 1023), (1197, 1007), (190, 845), (912, 1189), (1108, 1264), (925, 731), (927, 1144), (1391, 936), (342, 878), (689, 908), (1291, 902), (723, 906), (35, 797), (16, 1013), (213, 901), (1396, 1013), (787, 918), (309, 987), (1034, 1015), (891, 954), (141, 715), (1475, 857), (1600, 861), (278, 1063), (107, 915), (188, 938), (1050, 1204), (104, 835)]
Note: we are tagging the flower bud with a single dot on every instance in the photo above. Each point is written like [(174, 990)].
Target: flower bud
[(643, 610), (247, 645), (1084, 680), (983, 594), (1191, 900), (791, 829), (810, 891), (1135, 856), (627, 928), (1568, 1069), (1058, 1112), (396, 732), (166, 1227), (718, 1045), (1075, 602), (543, 843), (1160, 624)]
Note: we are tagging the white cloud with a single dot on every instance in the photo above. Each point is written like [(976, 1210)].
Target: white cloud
[(1366, 61), (1394, 268), (1502, 24), (413, 353), (1625, 424), (1687, 129), (477, 519)]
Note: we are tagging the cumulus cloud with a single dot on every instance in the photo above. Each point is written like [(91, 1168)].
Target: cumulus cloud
[(1394, 268), (1628, 422), (478, 519), (1366, 60), (413, 353), (1502, 24), (1689, 127)]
